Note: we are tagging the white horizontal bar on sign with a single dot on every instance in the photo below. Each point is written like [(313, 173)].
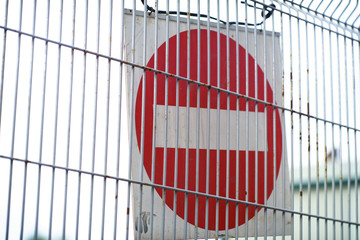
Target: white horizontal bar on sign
[(203, 130)]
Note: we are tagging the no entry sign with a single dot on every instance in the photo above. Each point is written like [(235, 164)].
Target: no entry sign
[(223, 149), (182, 91)]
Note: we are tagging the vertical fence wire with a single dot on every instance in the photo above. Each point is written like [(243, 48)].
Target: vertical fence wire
[(120, 101), (14, 121), (237, 119), (154, 117), (208, 122)]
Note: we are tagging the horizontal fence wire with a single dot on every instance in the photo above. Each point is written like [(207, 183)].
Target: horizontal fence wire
[(176, 77), (180, 190)]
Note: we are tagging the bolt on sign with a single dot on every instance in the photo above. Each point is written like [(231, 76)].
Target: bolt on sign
[(200, 142)]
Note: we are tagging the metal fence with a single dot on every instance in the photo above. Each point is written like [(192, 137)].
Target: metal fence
[(179, 119)]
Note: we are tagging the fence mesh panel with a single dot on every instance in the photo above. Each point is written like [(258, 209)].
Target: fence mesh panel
[(179, 119)]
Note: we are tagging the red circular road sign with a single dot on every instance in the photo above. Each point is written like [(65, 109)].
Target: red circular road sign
[(202, 161)]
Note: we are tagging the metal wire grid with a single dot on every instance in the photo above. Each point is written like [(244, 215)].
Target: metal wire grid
[(62, 128)]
